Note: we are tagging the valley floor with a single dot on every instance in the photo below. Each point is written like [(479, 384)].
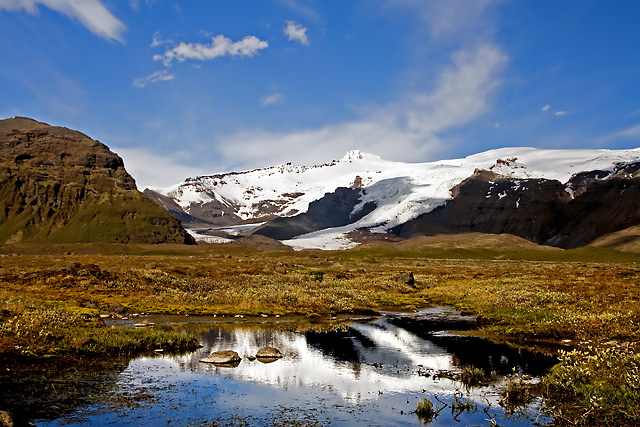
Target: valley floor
[(53, 299)]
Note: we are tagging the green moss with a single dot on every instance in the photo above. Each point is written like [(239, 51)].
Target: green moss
[(596, 387)]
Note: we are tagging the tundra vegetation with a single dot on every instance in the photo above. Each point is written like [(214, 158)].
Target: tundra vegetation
[(586, 301)]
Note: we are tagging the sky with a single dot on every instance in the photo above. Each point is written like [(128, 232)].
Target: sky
[(198, 87)]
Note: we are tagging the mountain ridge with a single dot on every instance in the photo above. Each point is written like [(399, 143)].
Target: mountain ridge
[(402, 192)]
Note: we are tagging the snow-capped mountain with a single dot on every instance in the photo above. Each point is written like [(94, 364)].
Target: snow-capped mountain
[(383, 195)]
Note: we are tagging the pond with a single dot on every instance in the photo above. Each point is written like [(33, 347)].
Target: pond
[(367, 373)]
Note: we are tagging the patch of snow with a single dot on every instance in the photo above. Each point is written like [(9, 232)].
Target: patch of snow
[(234, 230), (329, 239), (207, 239)]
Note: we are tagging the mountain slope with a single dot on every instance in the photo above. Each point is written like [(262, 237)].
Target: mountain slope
[(545, 196), (547, 212), (60, 185), (335, 209)]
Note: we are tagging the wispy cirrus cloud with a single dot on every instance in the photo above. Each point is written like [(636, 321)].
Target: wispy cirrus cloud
[(92, 14), (630, 133), (408, 129), (301, 8), (220, 46), (296, 32), (274, 98), (158, 40), (451, 19), (415, 125), (158, 76)]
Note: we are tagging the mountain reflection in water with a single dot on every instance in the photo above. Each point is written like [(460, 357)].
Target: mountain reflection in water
[(366, 374)]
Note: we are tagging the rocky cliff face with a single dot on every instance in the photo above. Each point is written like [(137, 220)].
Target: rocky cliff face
[(60, 185), (591, 204)]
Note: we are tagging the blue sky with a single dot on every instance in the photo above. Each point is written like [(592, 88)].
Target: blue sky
[(195, 87)]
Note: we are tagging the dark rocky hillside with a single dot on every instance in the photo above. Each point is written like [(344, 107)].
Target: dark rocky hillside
[(333, 210), (538, 210), (60, 185)]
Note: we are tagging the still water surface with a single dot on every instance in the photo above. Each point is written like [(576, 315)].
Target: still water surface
[(367, 374)]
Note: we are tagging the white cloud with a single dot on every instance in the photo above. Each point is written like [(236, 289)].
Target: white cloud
[(158, 40), (546, 107), (299, 7), (137, 4), (296, 32), (274, 98), (158, 76), (452, 18), (90, 13), (560, 113), (149, 168), (631, 133), (406, 130), (220, 46)]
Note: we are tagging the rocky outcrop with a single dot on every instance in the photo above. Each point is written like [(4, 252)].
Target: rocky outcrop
[(569, 215), (333, 210), (213, 213), (406, 278), (60, 185)]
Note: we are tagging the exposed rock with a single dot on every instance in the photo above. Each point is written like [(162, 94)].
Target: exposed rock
[(539, 210), (406, 278), (200, 215), (333, 210), (268, 353), (117, 308), (225, 357), (8, 419)]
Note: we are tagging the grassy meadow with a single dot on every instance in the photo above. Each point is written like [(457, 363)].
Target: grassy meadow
[(53, 299)]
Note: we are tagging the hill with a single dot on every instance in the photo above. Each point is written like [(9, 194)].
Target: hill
[(59, 185)]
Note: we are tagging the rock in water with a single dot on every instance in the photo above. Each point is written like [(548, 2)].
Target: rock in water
[(269, 352), (60, 185), (225, 357)]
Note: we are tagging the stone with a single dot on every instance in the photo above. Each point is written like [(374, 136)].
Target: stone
[(117, 308), (8, 419), (269, 352), (406, 278), (222, 357)]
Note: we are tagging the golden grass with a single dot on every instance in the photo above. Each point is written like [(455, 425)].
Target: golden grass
[(50, 299), (527, 299)]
